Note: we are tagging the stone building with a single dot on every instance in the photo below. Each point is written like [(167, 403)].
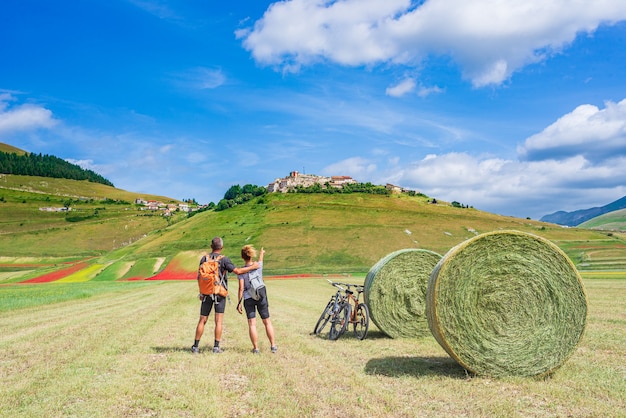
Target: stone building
[(295, 179)]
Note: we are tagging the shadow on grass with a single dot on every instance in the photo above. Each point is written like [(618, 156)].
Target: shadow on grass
[(371, 335), (416, 367), (207, 349), (377, 335), (177, 349)]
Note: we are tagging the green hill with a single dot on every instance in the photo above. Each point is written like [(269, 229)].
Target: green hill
[(302, 233), (317, 233), (612, 221), (33, 220)]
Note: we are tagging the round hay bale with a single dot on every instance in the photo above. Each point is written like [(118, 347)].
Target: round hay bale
[(395, 292), (507, 303)]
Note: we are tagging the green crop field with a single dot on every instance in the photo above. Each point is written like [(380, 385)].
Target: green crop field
[(122, 349)]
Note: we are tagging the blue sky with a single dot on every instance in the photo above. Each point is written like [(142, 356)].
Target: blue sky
[(512, 107)]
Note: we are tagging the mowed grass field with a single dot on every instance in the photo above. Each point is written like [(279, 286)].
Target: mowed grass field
[(122, 349)]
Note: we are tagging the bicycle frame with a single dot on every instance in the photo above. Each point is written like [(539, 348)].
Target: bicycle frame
[(359, 315)]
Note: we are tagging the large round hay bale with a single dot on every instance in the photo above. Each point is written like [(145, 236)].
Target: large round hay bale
[(395, 292), (507, 303)]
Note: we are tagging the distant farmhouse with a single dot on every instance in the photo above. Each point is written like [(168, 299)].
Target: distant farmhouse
[(295, 179), (155, 205), (398, 189), (151, 205), (55, 209)]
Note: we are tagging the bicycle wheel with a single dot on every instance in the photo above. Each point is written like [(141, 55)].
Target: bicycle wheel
[(339, 322), (362, 323), (324, 317)]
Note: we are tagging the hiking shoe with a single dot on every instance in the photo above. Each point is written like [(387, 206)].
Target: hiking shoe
[(195, 350), (274, 349), (217, 350), (255, 351)]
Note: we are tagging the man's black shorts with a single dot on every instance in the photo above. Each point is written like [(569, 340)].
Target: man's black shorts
[(207, 304)]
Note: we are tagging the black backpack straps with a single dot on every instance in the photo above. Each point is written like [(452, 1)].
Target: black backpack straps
[(246, 281)]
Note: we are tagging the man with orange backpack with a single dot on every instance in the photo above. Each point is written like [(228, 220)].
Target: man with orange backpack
[(213, 285)]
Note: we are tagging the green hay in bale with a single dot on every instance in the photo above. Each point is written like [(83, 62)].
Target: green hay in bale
[(507, 303), (395, 292)]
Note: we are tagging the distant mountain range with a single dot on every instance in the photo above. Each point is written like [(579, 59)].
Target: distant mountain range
[(577, 217)]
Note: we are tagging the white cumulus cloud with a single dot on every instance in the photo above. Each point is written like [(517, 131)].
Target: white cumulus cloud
[(489, 39), (23, 117), (497, 185), (588, 131)]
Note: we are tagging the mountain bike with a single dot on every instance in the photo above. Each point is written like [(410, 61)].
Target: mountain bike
[(336, 312), (344, 309)]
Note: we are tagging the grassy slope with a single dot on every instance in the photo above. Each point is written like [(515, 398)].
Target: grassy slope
[(615, 221), (349, 233), (11, 149), (91, 228), (303, 233)]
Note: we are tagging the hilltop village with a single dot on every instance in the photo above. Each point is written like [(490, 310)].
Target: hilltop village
[(295, 179)]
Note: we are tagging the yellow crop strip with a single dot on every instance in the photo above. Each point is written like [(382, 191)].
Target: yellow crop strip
[(83, 275)]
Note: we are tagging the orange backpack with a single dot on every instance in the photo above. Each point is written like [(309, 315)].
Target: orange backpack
[(210, 280)]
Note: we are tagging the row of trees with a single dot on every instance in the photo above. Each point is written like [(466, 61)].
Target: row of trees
[(31, 164), (346, 189)]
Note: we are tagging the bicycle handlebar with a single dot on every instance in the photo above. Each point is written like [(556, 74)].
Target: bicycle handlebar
[(337, 285), (359, 287)]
